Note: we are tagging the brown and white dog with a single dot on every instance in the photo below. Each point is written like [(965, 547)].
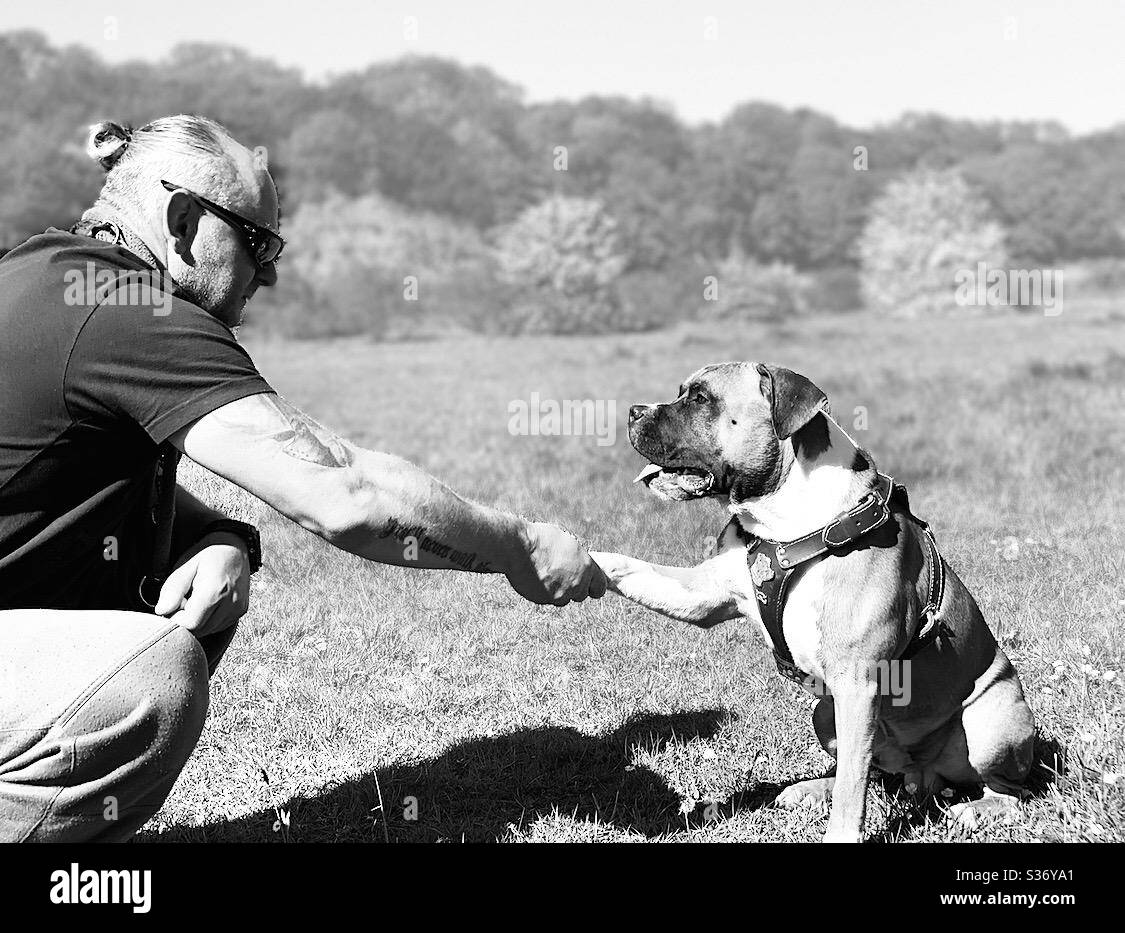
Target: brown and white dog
[(761, 437)]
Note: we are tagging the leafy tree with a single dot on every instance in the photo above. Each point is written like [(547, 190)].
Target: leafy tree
[(449, 137), (1060, 200), (318, 163)]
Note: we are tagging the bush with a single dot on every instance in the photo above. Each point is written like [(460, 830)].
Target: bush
[(561, 259), (923, 231), (350, 262), (653, 298), (357, 301), (748, 290), (471, 298)]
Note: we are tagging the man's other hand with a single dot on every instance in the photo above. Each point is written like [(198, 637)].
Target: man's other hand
[(554, 568), (210, 588)]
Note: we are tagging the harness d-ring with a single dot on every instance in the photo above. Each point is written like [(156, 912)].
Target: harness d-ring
[(151, 603)]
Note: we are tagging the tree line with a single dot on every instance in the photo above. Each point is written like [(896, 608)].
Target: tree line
[(459, 146)]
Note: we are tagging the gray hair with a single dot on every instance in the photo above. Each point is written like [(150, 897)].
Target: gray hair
[(185, 149)]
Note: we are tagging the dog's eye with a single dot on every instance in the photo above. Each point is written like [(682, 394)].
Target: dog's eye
[(700, 398)]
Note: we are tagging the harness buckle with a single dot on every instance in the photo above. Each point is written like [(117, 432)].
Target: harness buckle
[(853, 525)]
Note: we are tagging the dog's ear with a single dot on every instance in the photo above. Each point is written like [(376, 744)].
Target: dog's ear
[(793, 399)]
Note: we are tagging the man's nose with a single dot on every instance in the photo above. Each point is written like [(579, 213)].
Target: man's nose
[(635, 412), (267, 274)]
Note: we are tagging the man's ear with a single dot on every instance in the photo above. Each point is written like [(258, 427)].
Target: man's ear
[(181, 217), (793, 399)]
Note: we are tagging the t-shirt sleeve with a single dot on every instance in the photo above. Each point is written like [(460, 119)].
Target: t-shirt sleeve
[(157, 360)]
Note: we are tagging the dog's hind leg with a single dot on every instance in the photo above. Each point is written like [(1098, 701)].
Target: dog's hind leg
[(994, 746)]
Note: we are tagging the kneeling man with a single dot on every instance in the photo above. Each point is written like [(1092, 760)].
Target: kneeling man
[(119, 591)]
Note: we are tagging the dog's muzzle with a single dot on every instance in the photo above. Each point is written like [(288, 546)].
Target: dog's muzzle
[(677, 481)]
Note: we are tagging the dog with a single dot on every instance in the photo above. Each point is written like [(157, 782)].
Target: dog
[(845, 583)]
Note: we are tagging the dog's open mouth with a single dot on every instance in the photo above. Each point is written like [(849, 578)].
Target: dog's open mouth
[(678, 483)]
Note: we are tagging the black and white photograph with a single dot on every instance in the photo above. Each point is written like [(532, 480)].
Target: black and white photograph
[(499, 422)]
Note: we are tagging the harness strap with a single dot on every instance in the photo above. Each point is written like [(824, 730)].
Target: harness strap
[(109, 232), (773, 564), (163, 514), (931, 625)]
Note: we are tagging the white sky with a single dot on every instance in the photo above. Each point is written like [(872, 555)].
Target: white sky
[(862, 61)]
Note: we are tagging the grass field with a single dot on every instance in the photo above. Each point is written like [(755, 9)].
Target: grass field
[(351, 683)]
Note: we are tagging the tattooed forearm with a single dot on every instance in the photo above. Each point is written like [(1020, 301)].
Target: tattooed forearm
[(305, 439), (466, 560)]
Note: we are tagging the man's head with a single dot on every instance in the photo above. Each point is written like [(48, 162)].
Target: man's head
[(728, 433), (206, 256)]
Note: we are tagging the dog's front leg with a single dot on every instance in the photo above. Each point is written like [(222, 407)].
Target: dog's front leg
[(856, 699), (701, 595)]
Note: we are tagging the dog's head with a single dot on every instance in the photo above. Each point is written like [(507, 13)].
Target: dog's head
[(723, 435)]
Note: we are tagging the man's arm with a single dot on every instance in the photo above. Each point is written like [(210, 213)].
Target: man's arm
[(379, 506)]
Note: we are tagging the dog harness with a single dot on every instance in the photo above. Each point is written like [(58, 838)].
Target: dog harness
[(773, 565)]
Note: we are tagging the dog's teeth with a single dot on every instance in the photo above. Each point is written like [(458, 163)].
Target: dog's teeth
[(651, 470)]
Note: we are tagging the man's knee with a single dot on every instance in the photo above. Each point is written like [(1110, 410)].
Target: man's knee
[(143, 724), (167, 685), (107, 764), (141, 729)]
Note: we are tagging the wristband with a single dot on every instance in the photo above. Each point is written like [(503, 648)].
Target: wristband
[(248, 533)]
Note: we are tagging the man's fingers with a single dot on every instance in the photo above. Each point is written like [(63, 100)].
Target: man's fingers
[(197, 612), (175, 589), (599, 583)]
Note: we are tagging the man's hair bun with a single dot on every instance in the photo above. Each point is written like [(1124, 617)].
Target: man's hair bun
[(108, 142)]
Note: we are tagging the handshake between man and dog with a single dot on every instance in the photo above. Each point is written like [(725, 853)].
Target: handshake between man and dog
[(845, 583)]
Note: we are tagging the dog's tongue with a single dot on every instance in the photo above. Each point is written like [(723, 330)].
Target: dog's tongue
[(677, 485)]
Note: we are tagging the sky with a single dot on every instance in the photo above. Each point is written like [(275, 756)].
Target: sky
[(862, 61)]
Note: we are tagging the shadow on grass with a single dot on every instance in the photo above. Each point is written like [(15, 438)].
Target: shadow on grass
[(476, 789)]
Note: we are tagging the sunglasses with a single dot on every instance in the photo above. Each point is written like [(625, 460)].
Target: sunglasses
[(265, 245)]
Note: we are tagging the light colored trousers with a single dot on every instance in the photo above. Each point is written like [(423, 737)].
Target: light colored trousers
[(99, 712)]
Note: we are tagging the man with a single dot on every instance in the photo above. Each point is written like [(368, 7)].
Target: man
[(118, 355)]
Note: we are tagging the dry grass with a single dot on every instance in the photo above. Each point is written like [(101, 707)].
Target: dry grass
[(603, 721)]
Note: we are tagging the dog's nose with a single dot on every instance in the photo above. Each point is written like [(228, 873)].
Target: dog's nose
[(635, 411)]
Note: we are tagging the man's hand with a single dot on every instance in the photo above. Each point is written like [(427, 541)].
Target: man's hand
[(555, 568), (210, 588)]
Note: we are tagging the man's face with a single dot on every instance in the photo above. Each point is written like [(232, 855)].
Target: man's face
[(220, 274)]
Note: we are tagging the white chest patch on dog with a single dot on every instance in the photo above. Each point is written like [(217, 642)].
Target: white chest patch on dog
[(800, 622)]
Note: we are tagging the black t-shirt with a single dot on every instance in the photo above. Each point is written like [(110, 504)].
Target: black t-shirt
[(98, 366)]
